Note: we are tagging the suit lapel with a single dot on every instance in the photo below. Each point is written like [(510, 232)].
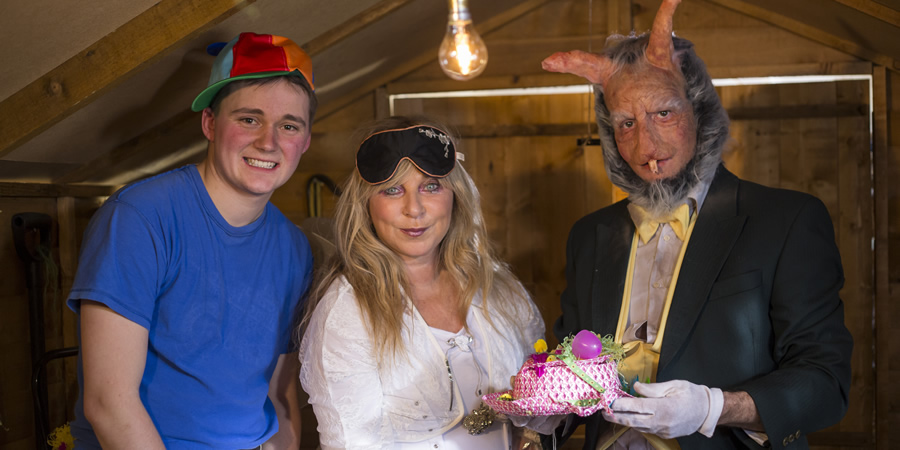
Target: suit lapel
[(717, 229), (611, 255)]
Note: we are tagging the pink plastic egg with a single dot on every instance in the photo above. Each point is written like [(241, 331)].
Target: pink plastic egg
[(586, 345)]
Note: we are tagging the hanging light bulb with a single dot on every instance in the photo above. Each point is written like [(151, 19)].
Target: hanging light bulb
[(462, 55)]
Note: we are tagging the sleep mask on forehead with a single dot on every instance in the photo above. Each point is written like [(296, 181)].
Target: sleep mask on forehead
[(428, 148)]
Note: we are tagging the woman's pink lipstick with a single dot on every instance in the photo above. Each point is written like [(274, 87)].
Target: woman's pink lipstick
[(413, 232)]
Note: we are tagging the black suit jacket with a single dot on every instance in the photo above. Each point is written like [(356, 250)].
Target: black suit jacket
[(755, 308)]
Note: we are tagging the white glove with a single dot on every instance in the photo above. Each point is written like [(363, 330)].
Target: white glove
[(670, 409), (541, 424)]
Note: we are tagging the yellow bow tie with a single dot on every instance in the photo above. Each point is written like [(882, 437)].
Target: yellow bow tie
[(679, 220)]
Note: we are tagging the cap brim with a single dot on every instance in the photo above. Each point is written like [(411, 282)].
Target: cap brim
[(205, 98), (532, 406)]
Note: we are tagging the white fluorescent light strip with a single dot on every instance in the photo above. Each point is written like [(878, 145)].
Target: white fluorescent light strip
[(548, 90), (796, 79), (587, 89)]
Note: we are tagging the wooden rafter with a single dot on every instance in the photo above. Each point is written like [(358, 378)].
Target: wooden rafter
[(889, 15), (353, 25), (142, 149), (810, 32), (426, 57), (134, 151), (96, 69)]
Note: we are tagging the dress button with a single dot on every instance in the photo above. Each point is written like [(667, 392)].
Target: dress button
[(425, 416), (666, 238), (435, 446), (656, 285), (416, 403), (785, 442), (430, 430)]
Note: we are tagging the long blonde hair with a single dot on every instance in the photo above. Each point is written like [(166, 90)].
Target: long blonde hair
[(377, 274)]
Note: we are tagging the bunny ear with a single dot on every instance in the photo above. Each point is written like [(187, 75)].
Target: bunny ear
[(660, 51), (590, 66)]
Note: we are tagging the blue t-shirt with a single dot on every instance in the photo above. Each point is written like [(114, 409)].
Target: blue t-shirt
[(217, 300)]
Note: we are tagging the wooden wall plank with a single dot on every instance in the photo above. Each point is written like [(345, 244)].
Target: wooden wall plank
[(619, 19), (16, 404), (754, 148), (53, 190), (69, 243), (70, 217)]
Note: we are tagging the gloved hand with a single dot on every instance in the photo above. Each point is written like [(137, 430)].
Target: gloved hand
[(670, 409), (541, 424)]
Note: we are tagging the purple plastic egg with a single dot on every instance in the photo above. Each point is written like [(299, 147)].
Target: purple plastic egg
[(586, 345)]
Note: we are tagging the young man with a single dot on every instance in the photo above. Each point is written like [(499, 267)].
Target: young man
[(723, 292), (188, 281)]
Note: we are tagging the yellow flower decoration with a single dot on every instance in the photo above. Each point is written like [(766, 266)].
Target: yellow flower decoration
[(551, 358), (540, 346)]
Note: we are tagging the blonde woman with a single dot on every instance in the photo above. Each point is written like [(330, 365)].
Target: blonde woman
[(414, 319)]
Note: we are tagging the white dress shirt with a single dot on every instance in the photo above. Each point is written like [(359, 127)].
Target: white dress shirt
[(654, 267)]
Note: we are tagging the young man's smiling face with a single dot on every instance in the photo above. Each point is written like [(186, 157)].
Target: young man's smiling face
[(653, 121), (256, 139)]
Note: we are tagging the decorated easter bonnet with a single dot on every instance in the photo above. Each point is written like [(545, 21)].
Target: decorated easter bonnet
[(252, 55), (581, 377)]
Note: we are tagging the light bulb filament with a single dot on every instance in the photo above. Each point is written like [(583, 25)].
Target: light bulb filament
[(464, 53)]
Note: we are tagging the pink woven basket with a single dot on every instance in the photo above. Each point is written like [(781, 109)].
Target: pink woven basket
[(554, 391)]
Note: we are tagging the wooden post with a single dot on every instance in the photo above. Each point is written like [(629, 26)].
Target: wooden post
[(881, 134)]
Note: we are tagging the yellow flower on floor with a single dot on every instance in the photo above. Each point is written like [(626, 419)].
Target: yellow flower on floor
[(61, 438)]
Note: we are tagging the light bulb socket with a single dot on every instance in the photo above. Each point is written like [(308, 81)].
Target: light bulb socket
[(459, 11)]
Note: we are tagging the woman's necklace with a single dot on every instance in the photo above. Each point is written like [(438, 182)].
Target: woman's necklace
[(482, 417)]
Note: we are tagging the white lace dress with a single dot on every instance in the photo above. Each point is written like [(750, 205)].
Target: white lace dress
[(406, 405)]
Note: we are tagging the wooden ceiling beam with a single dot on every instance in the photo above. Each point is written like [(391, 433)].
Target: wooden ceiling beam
[(424, 58), (807, 31), (145, 148), (96, 69), (889, 15), (352, 25)]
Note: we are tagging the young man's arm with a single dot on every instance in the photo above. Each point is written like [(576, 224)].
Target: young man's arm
[(283, 391), (113, 353)]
